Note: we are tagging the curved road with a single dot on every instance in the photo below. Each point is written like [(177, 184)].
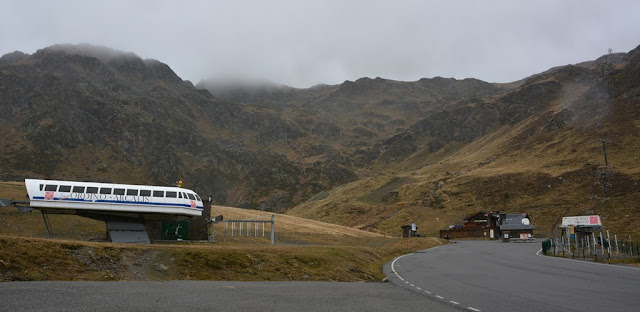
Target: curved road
[(496, 276), (472, 276)]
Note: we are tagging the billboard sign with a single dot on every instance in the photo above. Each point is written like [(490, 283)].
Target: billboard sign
[(581, 221)]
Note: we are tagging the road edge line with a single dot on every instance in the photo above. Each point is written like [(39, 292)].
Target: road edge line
[(393, 269)]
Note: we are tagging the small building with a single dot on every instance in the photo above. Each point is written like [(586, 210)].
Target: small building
[(476, 225), (516, 226), (410, 230), (492, 226)]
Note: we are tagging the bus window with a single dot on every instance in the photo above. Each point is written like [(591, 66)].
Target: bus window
[(131, 192), (158, 193), (78, 189), (65, 188), (51, 188), (145, 193), (171, 194), (105, 190), (191, 196), (118, 191), (92, 190)]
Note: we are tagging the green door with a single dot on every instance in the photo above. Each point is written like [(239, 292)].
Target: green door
[(172, 230)]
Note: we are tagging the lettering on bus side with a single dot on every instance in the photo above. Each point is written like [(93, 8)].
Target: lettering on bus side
[(122, 198)]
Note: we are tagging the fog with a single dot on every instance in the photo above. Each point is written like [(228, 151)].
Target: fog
[(302, 43)]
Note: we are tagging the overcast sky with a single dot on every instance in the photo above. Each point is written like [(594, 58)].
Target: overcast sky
[(303, 43)]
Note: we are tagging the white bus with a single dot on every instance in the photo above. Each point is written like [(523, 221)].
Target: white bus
[(95, 200)]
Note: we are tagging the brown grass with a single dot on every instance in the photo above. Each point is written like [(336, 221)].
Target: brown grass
[(305, 250), (549, 174), (291, 224), (53, 259)]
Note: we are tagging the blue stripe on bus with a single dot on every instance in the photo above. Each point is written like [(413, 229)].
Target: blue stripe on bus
[(119, 202)]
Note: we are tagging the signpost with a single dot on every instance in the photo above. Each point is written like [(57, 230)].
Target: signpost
[(581, 221), (579, 228)]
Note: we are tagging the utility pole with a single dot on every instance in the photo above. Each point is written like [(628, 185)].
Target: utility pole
[(273, 229), (605, 67), (605, 172)]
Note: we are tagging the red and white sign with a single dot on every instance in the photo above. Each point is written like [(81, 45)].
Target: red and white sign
[(581, 220), (193, 204), (48, 195)]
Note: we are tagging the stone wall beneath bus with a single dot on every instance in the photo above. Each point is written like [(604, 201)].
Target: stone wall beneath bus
[(193, 229), (198, 225)]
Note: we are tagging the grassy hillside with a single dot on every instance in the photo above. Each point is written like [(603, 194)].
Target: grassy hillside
[(53, 259), (545, 163), (549, 180), (305, 250)]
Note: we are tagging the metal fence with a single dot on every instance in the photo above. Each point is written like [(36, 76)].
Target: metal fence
[(592, 249), (244, 228)]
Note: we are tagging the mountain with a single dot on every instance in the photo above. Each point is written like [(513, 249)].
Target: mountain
[(434, 150), (93, 113), (372, 153), (531, 148)]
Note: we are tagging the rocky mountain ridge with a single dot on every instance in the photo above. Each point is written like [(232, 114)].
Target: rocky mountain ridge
[(372, 153)]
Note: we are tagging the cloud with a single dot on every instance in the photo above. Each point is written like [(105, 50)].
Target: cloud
[(303, 43)]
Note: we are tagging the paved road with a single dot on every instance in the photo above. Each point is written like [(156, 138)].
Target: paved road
[(213, 296), (495, 276), (471, 276)]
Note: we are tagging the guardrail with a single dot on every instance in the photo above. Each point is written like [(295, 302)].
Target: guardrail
[(598, 251)]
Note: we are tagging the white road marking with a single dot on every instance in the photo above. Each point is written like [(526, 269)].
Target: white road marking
[(394, 263), (393, 269)]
